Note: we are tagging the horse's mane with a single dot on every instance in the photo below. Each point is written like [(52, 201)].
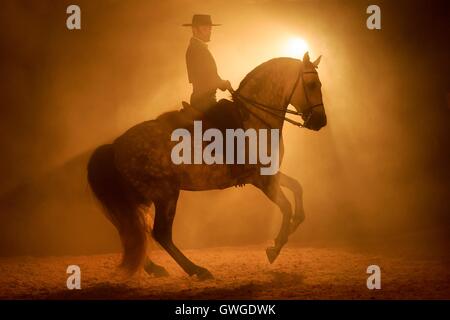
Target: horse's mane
[(258, 72), (263, 68)]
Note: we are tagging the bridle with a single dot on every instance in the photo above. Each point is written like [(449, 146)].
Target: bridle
[(279, 113)]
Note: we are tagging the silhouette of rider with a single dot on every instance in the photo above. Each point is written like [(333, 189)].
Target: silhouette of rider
[(202, 73), (201, 66)]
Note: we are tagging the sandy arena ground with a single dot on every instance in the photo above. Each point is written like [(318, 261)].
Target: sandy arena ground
[(240, 273)]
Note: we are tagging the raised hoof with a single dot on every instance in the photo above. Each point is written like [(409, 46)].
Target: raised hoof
[(155, 270), (294, 225), (272, 254), (203, 274)]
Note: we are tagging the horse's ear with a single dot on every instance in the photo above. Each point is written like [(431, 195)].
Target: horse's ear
[(306, 57), (316, 63)]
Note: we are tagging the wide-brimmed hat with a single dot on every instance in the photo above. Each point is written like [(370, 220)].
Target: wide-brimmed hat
[(200, 20)]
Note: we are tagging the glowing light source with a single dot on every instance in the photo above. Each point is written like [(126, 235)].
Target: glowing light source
[(296, 47)]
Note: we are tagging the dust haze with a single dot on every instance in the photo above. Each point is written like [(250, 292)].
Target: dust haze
[(376, 178)]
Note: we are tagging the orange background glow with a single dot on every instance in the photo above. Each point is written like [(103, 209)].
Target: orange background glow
[(375, 177)]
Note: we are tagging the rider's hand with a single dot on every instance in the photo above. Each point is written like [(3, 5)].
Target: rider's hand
[(226, 85)]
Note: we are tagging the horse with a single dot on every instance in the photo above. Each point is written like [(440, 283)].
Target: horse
[(136, 171)]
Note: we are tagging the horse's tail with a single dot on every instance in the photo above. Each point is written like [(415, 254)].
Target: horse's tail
[(120, 204)]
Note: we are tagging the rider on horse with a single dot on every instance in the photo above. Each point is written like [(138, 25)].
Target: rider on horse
[(201, 66), (202, 73)]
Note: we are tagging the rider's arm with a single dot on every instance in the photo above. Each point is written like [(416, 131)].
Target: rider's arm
[(202, 70)]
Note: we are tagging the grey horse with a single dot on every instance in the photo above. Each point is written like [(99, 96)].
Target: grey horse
[(136, 170)]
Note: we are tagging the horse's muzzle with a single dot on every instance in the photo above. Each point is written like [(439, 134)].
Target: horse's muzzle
[(317, 119)]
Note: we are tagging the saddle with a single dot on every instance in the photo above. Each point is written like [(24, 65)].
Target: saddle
[(224, 115)]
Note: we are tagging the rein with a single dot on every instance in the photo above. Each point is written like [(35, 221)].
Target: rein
[(280, 113)]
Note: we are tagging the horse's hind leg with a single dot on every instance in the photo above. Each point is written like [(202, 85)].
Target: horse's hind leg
[(154, 269), (162, 232), (271, 188), (150, 267), (293, 185)]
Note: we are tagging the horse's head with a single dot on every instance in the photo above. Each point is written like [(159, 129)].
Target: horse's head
[(307, 98)]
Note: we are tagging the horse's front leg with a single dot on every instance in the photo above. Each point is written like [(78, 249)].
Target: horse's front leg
[(271, 187), (293, 185)]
